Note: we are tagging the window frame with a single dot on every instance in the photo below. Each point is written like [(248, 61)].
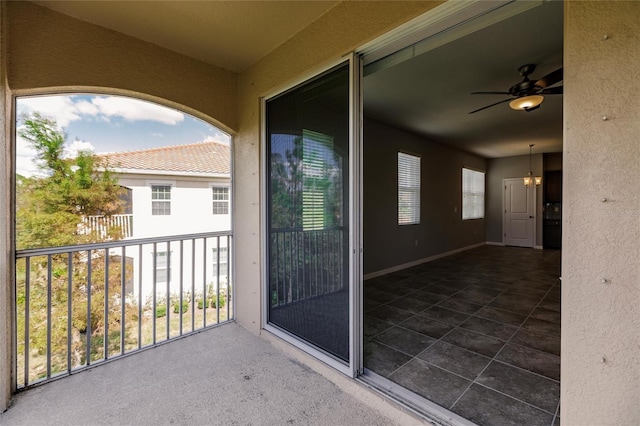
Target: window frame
[(162, 267), (408, 202), (478, 212), (224, 203), (164, 201)]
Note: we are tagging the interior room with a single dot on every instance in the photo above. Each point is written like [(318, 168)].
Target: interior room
[(462, 300)]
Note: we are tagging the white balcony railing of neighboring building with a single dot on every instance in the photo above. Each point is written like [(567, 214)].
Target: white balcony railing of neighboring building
[(106, 227)]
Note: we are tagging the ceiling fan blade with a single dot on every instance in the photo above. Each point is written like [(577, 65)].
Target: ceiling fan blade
[(489, 106), (490, 93), (552, 91), (550, 79)]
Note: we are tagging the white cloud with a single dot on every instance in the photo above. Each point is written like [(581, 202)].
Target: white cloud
[(25, 156), (218, 137), (135, 110), (65, 109), (87, 108), (59, 108), (72, 149)]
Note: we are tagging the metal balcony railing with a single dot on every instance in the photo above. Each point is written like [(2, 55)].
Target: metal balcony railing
[(305, 264), (82, 305)]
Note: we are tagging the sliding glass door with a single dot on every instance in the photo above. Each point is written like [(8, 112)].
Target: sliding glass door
[(309, 140)]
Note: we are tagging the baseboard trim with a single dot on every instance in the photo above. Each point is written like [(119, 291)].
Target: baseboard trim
[(419, 261), (538, 247), (494, 243)]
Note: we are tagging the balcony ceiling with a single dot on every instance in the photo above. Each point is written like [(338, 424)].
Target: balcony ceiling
[(427, 95), (229, 34)]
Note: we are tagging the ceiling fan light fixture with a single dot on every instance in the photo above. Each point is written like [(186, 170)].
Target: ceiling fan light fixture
[(526, 103)]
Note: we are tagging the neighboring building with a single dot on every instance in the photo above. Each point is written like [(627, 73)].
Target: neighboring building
[(175, 190)]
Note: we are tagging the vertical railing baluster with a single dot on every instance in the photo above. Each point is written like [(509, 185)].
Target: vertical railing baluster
[(105, 339), (217, 296), (168, 295), (123, 300), (88, 327), (69, 307), (193, 284), (229, 277), (181, 283), (204, 281), (153, 309), (49, 284), (315, 262), (27, 319), (139, 296)]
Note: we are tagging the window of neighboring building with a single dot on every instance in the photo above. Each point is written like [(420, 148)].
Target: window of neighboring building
[(472, 194), (162, 267), (160, 200), (220, 200), (223, 265), (408, 189)]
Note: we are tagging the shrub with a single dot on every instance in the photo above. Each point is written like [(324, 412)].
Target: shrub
[(200, 304), (221, 299), (161, 310), (176, 307)]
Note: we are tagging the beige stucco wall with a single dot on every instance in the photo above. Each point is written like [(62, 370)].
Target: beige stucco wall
[(50, 50), (5, 240), (338, 32), (601, 321)]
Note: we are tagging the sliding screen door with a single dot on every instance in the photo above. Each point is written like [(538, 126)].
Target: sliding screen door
[(308, 138)]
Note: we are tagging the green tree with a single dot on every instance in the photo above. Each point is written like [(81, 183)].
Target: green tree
[(50, 208), (51, 211)]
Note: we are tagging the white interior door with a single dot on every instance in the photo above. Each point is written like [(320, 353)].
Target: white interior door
[(519, 213)]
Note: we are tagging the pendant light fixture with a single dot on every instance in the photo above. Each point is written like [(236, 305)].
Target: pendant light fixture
[(530, 179)]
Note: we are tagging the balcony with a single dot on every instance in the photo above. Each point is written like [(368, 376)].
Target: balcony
[(223, 375)]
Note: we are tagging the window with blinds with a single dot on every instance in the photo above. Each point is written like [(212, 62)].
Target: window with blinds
[(316, 181), (472, 194), (408, 189)]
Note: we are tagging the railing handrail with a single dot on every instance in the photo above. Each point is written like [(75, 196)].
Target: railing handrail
[(118, 243)]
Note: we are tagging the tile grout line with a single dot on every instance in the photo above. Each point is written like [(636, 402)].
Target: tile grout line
[(500, 351)]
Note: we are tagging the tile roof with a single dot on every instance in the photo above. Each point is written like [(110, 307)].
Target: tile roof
[(202, 157)]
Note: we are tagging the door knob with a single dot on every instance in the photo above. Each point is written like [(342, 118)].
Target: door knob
[(530, 217)]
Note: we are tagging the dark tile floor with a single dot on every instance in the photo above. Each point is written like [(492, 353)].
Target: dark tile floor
[(477, 333)]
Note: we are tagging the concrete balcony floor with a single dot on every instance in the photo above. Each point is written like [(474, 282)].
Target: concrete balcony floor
[(225, 375)]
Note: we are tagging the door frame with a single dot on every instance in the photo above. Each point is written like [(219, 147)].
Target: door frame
[(354, 367), (504, 210)]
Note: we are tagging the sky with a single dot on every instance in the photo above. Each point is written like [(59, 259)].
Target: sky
[(111, 124)]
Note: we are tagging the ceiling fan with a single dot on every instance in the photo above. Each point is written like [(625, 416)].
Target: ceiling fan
[(527, 95)]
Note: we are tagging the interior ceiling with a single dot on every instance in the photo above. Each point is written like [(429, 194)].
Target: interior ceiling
[(427, 95), (430, 94)]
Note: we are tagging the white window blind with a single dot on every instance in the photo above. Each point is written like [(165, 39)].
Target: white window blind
[(316, 147), (408, 189), (472, 194)]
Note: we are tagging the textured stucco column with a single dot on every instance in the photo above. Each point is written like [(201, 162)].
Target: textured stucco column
[(5, 240), (601, 225)]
